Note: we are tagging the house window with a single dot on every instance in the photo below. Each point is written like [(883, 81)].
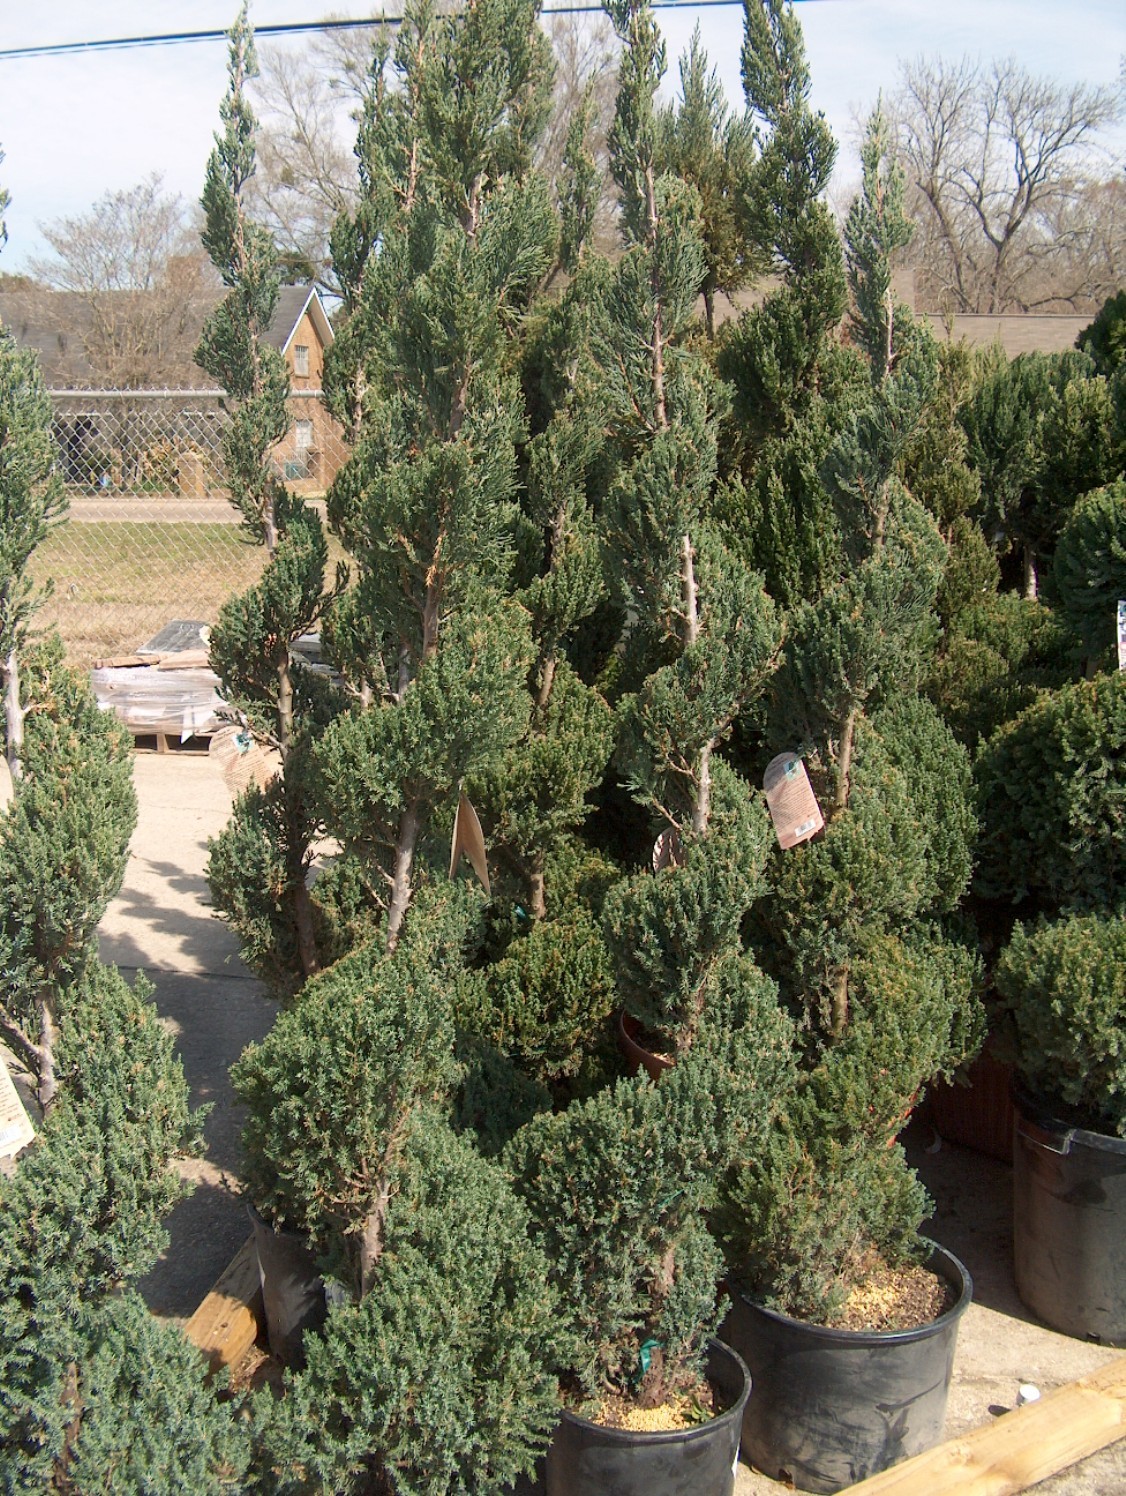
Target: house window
[(303, 435), (300, 359)]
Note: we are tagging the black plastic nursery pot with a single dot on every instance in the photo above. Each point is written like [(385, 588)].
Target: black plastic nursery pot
[(293, 1294), (586, 1459), (832, 1407), (1069, 1224)]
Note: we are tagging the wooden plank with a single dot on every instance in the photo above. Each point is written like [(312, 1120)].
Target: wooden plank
[(1019, 1448), (228, 1321)]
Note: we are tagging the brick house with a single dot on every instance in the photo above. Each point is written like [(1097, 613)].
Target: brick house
[(131, 402)]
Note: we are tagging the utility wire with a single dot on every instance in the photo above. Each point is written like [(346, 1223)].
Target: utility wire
[(297, 28)]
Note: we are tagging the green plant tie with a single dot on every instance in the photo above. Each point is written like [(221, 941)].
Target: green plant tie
[(645, 1357)]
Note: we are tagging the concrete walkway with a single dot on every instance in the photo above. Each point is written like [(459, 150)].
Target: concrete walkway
[(162, 923)]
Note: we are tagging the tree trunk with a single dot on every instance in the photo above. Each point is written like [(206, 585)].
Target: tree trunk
[(48, 1037), (838, 1020), (537, 888), (371, 1238), (1031, 581), (844, 761), (13, 715), (410, 824)]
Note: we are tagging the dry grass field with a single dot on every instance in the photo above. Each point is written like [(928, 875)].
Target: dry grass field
[(117, 582)]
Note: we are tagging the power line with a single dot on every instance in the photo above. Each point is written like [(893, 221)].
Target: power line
[(297, 28)]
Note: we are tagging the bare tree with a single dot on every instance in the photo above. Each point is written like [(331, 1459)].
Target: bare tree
[(1001, 167), (135, 264), (306, 173), (586, 67)]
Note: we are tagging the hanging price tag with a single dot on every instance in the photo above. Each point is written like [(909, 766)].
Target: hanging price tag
[(790, 799), (16, 1130)]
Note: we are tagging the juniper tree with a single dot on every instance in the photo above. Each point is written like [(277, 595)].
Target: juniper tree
[(853, 925), (701, 142), (32, 498), (435, 1370), (436, 648), (259, 865), (700, 631), (80, 1222), (792, 384)]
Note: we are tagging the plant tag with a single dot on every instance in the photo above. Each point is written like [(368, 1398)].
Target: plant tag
[(16, 1130), (1122, 633), (7, 789), (790, 799), (469, 841), (241, 761), (667, 851)]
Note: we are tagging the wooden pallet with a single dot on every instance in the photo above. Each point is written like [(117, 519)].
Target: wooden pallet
[(232, 1316), (148, 740), (1019, 1449)]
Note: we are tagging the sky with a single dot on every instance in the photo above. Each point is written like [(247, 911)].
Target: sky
[(75, 127)]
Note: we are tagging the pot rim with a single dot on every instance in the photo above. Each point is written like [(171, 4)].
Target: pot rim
[(673, 1435), (940, 1257), (1044, 1114)]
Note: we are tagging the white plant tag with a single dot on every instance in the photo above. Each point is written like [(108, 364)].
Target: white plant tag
[(16, 1130), (7, 789), (790, 799), (1122, 633)]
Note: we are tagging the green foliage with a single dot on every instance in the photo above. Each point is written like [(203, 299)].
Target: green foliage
[(150, 1421), (31, 491), (1089, 571), (1000, 652), (616, 1185), (1064, 982), (441, 1379), (713, 151), (667, 931), (547, 1001), (1052, 801), (81, 1216), (805, 1215), (332, 1088), (876, 227), (64, 841), (1104, 341), (1041, 433)]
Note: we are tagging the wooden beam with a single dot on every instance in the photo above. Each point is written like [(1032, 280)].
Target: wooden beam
[(228, 1321), (1020, 1448)]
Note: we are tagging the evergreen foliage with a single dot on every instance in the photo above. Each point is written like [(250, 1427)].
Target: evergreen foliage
[(1041, 433), (1064, 981), (251, 642), (81, 1218), (616, 1186), (438, 1381), (1052, 803), (63, 848), (790, 379), (1104, 341), (1089, 570), (31, 500), (713, 150)]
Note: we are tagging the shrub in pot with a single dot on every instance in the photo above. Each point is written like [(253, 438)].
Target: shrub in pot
[(1064, 982), (857, 924), (436, 1360), (616, 1188)]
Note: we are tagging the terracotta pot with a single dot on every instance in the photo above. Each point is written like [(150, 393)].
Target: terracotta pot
[(637, 1057), (978, 1115)]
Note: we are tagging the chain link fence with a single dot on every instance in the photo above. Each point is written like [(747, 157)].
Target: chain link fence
[(151, 536)]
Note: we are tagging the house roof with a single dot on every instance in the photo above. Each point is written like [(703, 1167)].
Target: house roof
[(64, 328), (1021, 333)]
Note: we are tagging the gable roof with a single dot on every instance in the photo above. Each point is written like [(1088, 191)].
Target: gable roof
[(63, 327)]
